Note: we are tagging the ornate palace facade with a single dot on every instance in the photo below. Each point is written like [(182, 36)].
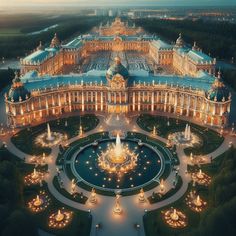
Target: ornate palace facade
[(78, 76)]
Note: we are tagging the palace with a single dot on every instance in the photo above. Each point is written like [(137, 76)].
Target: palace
[(118, 69)]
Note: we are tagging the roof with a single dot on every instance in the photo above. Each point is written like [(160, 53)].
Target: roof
[(78, 42), (161, 45), (75, 43), (40, 55), (195, 55), (199, 56), (202, 82)]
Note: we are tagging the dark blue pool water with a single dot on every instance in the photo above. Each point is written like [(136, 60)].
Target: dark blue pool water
[(148, 166)]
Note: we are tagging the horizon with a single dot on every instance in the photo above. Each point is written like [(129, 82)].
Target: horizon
[(108, 3)]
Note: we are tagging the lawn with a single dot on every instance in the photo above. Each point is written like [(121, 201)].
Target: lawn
[(211, 140), (25, 139), (153, 221), (6, 32), (79, 226), (81, 222)]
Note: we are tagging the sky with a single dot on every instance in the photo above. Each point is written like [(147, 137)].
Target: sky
[(119, 2)]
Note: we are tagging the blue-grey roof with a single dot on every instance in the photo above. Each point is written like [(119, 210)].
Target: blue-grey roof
[(78, 41), (54, 81), (195, 55), (75, 43), (161, 45), (202, 82), (40, 55), (199, 56)]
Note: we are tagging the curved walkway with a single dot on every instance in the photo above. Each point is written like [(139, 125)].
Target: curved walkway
[(133, 210)]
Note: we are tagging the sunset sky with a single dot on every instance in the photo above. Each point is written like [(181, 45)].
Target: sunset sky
[(119, 2)]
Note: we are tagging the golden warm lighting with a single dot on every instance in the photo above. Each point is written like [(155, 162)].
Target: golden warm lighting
[(35, 177), (40, 203), (117, 210), (195, 203), (141, 196), (175, 218), (60, 219), (93, 197), (117, 158), (201, 178)]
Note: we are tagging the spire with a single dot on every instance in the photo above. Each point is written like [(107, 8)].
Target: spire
[(40, 47), (195, 47), (16, 79), (55, 42), (219, 74), (179, 42)]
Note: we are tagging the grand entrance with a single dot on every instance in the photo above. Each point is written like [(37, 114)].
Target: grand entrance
[(117, 108)]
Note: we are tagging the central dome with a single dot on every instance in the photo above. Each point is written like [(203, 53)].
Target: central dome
[(117, 68)]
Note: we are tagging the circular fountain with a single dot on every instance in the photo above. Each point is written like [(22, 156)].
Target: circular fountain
[(49, 138), (40, 203), (186, 138), (195, 203), (60, 219), (175, 218), (117, 164), (34, 178), (117, 158), (201, 178)]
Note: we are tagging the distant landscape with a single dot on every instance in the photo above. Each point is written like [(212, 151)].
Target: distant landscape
[(16, 40)]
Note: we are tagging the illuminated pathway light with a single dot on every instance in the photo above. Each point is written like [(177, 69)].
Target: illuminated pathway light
[(117, 210)]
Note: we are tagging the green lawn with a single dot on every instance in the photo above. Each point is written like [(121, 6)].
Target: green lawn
[(81, 222), (25, 139), (6, 32), (153, 221), (79, 226), (211, 140), (80, 198)]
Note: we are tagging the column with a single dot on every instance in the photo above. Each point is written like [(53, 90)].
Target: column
[(176, 103), (82, 101), (102, 101), (40, 107), (59, 102), (138, 100), (133, 102), (195, 107), (165, 101), (47, 105), (182, 104), (96, 100), (152, 102), (188, 105), (69, 95)]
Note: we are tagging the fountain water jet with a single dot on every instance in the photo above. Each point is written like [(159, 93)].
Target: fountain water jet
[(117, 158), (49, 134)]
